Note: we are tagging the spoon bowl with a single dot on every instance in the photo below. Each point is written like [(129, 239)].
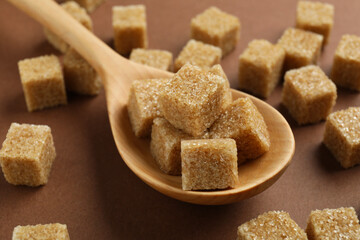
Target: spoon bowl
[(118, 73)]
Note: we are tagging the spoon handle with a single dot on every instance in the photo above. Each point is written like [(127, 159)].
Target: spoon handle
[(53, 17)]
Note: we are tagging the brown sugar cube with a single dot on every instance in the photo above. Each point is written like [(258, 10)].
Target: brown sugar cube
[(154, 58), (27, 154), (143, 105), (193, 99), (227, 98), (316, 17), (208, 164), (346, 66), (341, 223), (76, 12), (341, 137), (129, 24), (79, 76), (55, 231), (242, 122), (260, 67), (217, 28), (199, 54), (165, 146), (271, 225), (301, 47), (89, 5), (308, 94), (43, 82)]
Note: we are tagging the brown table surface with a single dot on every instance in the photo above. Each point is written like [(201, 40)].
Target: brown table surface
[(91, 189)]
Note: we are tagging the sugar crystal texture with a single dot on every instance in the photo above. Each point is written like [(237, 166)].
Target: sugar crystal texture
[(143, 104), (340, 223), (308, 94), (160, 59), (130, 30), (79, 76), (54, 231), (199, 54), (242, 122), (217, 28), (27, 154), (301, 47), (271, 225), (260, 67), (316, 17), (90, 5), (208, 164), (79, 14), (227, 98), (43, 82), (342, 136), (165, 146), (193, 99), (346, 66)]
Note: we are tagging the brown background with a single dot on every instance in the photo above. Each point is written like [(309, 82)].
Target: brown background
[(91, 189)]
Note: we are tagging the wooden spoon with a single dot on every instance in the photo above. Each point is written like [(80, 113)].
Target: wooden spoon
[(118, 73)]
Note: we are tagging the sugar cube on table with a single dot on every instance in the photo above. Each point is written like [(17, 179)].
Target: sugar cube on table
[(130, 28), (340, 223), (316, 17), (308, 94), (193, 99), (301, 47), (346, 66), (76, 12), (165, 146), (79, 76), (43, 82), (341, 137), (143, 106), (217, 28), (160, 59), (27, 154), (55, 231), (260, 67), (208, 164), (199, 54), (242, 122), (90, 5), (271, 225)]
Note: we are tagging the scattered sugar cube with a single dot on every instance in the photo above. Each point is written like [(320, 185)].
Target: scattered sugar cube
[(154, 58), (27, 154), (199, 54), (260, 67), (193, 99), (55, 231), (43, 82), (227, 98), (242, 122), (308, 94), (130, 31), (342, 131), (209, 164), (341, 223), (89, 5), (165, 146), (346, 67), (76, 12), (217, 28), (316, 17), (301, 47), (79, 76), (271, 225), (143, 105)]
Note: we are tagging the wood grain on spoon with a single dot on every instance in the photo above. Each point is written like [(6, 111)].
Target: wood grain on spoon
[(118, 73)]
